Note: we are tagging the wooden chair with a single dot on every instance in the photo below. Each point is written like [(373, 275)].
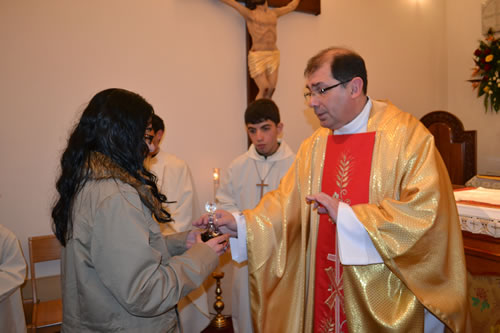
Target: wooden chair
[(47, 315), (456, 146)]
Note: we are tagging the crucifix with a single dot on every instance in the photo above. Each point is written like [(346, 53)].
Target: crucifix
[(262, 179), (262, 187), (263, 55)]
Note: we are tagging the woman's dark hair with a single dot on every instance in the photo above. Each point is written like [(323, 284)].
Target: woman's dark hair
[(114, 124)]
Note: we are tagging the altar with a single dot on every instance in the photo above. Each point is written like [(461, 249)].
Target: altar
[(479, 212)]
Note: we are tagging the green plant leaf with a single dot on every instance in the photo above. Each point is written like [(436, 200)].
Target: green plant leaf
[(485, 305)]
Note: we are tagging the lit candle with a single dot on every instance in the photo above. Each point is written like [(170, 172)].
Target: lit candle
[(216, 176)]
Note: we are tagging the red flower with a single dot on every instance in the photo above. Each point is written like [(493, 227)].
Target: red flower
[(481, 293), (486, 58)]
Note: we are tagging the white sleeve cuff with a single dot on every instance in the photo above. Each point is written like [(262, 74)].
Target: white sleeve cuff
[(355, 245), (239, 245)]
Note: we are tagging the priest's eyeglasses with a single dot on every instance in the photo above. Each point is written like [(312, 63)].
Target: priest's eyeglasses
[(322, 91)]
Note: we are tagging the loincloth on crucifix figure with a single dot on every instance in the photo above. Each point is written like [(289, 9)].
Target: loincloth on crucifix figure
[(263, 63)]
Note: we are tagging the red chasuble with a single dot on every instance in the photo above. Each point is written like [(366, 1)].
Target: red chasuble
[(346, 176)]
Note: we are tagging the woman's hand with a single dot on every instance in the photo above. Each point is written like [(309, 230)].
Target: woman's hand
[(219, 244), (191, 238)]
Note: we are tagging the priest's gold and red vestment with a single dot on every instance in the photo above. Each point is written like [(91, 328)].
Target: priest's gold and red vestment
[(411, 218)]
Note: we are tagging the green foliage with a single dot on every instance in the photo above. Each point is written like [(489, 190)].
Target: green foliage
[(476, 302)]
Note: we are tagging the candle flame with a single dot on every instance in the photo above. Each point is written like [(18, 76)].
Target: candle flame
[(216, 174)]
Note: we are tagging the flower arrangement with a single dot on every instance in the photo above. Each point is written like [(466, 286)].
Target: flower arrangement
[(486, 73)]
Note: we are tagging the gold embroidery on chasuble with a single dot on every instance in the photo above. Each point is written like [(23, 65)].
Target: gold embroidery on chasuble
[(344, 169), (346, 176)]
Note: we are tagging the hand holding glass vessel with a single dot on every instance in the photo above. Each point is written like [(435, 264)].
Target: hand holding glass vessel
[(211, 230)]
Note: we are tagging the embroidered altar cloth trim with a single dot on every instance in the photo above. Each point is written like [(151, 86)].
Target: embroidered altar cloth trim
[(479, 220), (479, 210)]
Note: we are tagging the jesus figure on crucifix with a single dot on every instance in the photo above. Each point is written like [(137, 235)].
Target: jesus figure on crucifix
[(264, 56)]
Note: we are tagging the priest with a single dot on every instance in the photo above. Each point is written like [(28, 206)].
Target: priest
[(362, 235)]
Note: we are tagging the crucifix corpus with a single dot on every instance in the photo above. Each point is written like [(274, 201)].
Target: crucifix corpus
[(263, 54)]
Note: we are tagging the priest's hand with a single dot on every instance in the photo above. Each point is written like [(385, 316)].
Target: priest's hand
[(325, 204), (224, 220)]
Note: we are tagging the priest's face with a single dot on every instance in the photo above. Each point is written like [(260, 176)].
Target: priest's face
[(264, 136), (329, 98)]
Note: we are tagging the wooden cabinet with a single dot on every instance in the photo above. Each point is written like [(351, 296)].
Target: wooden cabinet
[(482, 254)]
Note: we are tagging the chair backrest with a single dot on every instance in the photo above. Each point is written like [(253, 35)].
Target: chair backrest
[(456, 146), (42, 248)]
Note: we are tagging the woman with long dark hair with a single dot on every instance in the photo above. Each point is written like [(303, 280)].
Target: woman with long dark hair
[(118, 272)]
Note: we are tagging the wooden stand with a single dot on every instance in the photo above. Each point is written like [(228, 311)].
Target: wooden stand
[(220, 324), (219, 321)]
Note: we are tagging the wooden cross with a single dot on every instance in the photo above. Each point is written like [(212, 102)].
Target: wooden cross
[(262, 187), (305, 6)]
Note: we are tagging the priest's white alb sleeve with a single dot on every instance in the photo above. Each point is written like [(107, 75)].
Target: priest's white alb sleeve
[(239, 245), (355, 245)]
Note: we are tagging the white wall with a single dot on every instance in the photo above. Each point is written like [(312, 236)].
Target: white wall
[(463, 32), (187, 57)]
